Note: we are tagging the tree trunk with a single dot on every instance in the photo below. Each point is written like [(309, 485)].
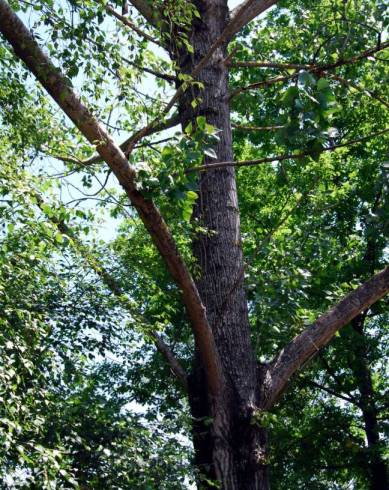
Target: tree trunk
[(376, 464), (229, 447)]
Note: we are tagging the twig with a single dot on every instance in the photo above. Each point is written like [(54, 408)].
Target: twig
[(132, 26), (363, 90), (331, 392), (255, 128)]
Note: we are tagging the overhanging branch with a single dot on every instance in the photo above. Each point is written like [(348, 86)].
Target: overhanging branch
[(280, 158), (306, 345), (310, 68), (59, 87)]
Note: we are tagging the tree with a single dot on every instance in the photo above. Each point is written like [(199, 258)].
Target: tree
[(230, 390)]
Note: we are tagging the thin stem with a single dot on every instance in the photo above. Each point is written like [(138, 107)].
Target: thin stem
[(280, 158), (312, 69)]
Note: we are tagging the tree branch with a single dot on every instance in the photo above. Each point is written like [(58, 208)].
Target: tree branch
[(306, 345), (280, 158), (133, 26), (255, 128), (246, 12), (331, 392), (164, 76), (312, 69), (59, 87), (267, 64), (369, 93), (173, 362), (335, 377), (130, 143), (116, 290)]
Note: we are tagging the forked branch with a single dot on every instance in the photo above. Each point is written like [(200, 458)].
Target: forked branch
[(59, 87), (306, 345)]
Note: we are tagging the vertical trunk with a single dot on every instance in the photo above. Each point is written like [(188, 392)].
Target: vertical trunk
[(228, 447), (377, 466)]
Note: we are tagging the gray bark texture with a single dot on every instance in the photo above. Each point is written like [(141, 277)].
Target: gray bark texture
[(231, 450)]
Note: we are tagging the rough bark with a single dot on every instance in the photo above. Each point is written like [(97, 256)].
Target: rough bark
[(231, 449), (376, 465)]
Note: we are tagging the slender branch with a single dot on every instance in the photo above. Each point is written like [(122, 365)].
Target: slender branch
[(350, 83), (151, 144), (58, 86), (247, 11), (263, 83), (335, 377), (115, 289), (306, 345), (255, 128), (164, 76), (267, 64), (312, 69), (357, 57), (331, 392), (173, 362), (133, 26), (280, 158), (128, 145)]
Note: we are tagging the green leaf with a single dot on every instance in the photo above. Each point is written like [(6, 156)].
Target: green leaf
[(323, 84), (59, 238), (201, 122), (189, 128)]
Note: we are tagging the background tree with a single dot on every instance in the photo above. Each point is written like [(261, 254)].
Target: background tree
[(313, 225)]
